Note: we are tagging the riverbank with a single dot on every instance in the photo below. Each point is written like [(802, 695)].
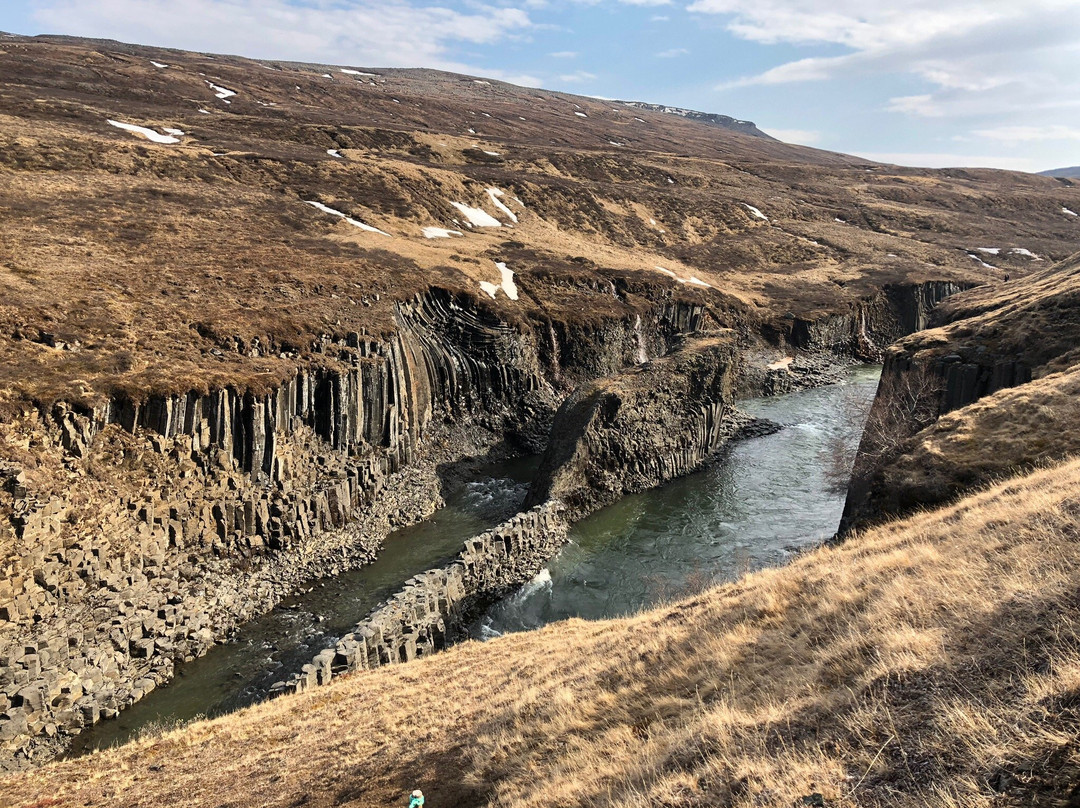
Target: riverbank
[(927, 662)]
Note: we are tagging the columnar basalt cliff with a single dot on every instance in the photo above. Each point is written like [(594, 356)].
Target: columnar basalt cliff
[(432, 608), (239, 496), (640, 428), (987, 341)]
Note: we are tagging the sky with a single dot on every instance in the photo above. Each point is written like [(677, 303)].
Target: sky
[(917, 82)]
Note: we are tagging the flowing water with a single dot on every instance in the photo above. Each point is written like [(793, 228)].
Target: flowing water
[(763, 501), (272, 647)]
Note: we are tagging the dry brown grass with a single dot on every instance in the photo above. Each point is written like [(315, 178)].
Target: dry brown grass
[(930, 662), (146, 258)]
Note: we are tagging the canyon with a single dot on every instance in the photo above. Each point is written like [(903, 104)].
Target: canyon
[(213, 394)]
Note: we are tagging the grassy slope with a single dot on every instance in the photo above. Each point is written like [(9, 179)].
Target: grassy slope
[(1032, 321), (138, 267), (923, 663)]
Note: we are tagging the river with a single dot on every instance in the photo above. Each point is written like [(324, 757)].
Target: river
[(764, 500)]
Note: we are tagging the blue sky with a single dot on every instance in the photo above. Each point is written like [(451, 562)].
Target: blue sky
[(918, 82)]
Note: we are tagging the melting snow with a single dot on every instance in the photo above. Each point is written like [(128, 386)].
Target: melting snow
[(479, 81), (335, 153), (639, 120), (490, 153), (157, 64), (613, 143), (204, 111), (341, 215), (221, 92), (327, 76), (439, 232), (472, 131), (356, 72), (1014, 250), (841, 221), (1067, 212), (508, 286), (477, 216), (495, 193), (693, 279), (149, 134), (581, 114), (982, 262), (989, 250), (757, 214), (168, 131)]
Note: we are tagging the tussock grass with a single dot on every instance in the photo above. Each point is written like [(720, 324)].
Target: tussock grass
[(933, 661)]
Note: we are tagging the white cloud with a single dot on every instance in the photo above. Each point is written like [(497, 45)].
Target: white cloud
[(659, 18), (577, 77), (563, 55), (977, 58), (931, 160), (1026, 134), (805, 137), (395, 33), (672, 53)]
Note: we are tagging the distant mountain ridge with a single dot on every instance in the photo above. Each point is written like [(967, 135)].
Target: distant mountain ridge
[(724, 121), (1072, 172)]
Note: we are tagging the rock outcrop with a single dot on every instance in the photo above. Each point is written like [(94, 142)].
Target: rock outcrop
[(987, 341), (432, 608), (640, 428), (186, 515)]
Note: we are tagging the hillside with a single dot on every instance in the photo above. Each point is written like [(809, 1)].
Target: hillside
[(257, 315), (1072, 172), (194, 263), (930, 662), (997, 377)]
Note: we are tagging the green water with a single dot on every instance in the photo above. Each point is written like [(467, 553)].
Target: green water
[(767, 499), (764, 500), (272, 647)]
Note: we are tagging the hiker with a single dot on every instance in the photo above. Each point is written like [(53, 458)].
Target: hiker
[(417, 800)]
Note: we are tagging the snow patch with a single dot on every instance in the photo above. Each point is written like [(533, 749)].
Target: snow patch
[(490, 153), (613, 143), (1014, 250), (158, 64), (341, 215), (757, 214), (204, 111), (981, 262), (693, 280), (224, 93), (440, 232), (838, 219), (481, 81), (476, 216), (335, 153), (495, 193), (581, 114), (149, 134), (348, 72), (989, 250), (1068, 212), (472, 131), (168, 131), (508, 286)]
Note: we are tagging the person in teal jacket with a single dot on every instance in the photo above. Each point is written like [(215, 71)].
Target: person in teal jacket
[(417, 800)]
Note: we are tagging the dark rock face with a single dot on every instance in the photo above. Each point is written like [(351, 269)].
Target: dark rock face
[(245, 495), (875, 322), (639, 429), (432, 608)]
